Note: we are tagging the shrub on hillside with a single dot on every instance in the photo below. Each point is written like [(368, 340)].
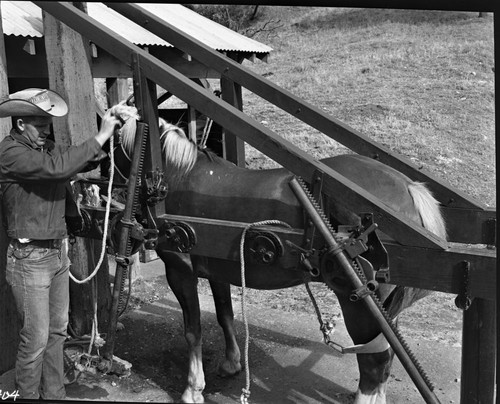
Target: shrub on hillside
[(235, 17)]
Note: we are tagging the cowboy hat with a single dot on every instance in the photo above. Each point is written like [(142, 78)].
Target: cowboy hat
[(33, 102)]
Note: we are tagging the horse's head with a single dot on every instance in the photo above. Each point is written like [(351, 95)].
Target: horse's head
[(178, 151)]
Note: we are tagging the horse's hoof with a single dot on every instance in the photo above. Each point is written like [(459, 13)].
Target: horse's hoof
[(228, 369), (192, 396)]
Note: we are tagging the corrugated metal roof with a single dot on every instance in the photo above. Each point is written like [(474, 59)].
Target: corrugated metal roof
[(23, 18), (207, 31)]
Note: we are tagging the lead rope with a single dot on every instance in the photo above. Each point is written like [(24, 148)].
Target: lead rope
[(246, 390), (106, 216), (96, 338)]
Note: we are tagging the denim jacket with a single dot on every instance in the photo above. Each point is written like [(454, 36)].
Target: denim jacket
[(34, 184)]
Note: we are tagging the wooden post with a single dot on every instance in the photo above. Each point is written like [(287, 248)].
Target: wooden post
[(192, 123), (9, 328), (233, 146), (478, 353), (5, 123), (69, 67), (117, 89)]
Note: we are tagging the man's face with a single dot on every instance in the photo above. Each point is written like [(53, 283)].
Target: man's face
[(35, 128)]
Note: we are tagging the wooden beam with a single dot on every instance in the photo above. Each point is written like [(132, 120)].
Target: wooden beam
[(192, 123), (5, 123), (233, 146), (409, 266), (479, 353), (117, 89), (474, 226), (228, 235), (342, 191), (293, 105), (443, 270)]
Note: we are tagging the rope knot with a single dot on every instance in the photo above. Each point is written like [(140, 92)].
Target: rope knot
[(245, 394)]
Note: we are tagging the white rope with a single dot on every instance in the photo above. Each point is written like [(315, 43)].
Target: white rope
[(106, 217), (246, 390)]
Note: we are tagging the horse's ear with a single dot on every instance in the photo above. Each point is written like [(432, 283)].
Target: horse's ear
[(162, 124)]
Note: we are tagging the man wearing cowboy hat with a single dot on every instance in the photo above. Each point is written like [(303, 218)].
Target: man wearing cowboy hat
[(34, 173)]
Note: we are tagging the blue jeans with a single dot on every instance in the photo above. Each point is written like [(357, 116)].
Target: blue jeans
[(40, 285)]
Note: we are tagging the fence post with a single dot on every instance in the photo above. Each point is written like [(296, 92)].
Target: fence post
[(478, 353)]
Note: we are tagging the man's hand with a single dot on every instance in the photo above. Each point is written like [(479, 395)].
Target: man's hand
[(110, 122)]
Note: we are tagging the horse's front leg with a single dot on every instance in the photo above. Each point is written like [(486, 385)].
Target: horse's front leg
[(225, 316), (183, 281), (374, 368)]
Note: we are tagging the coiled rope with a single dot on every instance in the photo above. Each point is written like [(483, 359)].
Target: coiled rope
[(245, 395)]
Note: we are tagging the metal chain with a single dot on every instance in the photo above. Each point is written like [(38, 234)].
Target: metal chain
[(326, 327)]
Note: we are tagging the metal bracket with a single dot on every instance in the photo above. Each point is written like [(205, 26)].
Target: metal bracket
[(463, 299), (264, 247), (367, 289), (180, 235), (156, 187), (367, 243)]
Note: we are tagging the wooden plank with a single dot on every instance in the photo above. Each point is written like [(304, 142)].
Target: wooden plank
[(9, 330), (409, 266), (341, 190), (117, 89), (443, 270), (292, 104), (234, 147), (478, 353), (192, 123), (5, 123), (226, 244), (474, 226)]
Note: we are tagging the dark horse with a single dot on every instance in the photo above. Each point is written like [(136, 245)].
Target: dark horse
[(210, 187)]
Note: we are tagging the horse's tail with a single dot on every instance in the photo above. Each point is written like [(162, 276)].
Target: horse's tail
[(432, 219), (428, 209)]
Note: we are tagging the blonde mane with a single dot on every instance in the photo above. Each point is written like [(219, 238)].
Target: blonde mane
[(179, 152)]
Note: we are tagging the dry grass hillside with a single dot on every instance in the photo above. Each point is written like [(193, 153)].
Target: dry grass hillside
[(419, 82)]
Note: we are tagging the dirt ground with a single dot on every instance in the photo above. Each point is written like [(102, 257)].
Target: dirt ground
[(287, 360)]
